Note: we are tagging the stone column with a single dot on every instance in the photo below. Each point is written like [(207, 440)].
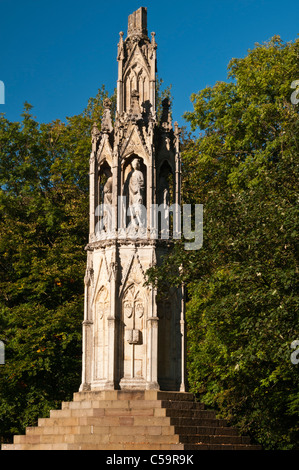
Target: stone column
[(152, 345), (92, 195), (183, 341), (112, 323), (153, 61), (86, 339), (120, 84)]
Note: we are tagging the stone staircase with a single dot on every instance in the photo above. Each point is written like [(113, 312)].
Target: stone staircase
[(131, 420)]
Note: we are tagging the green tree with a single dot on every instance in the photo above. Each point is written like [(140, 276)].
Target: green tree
[(43, 232), (242, 313), (44, 210)]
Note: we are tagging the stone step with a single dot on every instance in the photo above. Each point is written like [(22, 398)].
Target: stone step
[(108, 411), (116, 420), (221, 447), (133, 395), (208, 422), (215, 439), (98, 438), (113, 425), (74, 410), (182, 405), (94, 429), (196, 414), (133, 404), (114, 446), (128, 446), (63, 446), (106, 420), (205, 430), (11, 447)]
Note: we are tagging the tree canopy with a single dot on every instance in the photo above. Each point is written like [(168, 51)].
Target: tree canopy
[(44, 229), (242, 310)]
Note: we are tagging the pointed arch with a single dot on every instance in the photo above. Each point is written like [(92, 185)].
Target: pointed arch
[(102, 310)]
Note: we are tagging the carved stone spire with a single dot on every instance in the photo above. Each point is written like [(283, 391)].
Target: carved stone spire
[(131, 340), (136, 57), (95, 135)]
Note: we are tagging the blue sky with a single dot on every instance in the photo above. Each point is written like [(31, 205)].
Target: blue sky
[(56, 54)]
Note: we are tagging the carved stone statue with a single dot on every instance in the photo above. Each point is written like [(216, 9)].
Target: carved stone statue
[(163, 190), (135, 193), (107, 191), (106, 119), (136, 184), (107, 201)]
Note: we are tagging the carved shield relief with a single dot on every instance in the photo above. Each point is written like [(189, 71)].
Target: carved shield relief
[(128, 308), (134, 333), (139, 308), (102, 310), (102, 303)]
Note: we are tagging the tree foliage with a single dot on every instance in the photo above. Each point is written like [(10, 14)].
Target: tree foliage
[(44, 229), (242, 313)]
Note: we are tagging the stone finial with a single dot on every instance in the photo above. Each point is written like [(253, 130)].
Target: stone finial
[(154, 44), (177, 129), (95, 131), (106, 119), (166, 121), (137, 22), (107, 103), (95, 135), (120, 47)]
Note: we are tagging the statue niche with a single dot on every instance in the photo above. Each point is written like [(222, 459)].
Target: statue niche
[(136, 80), (165, 184), (105, 199), (135, 193), (165, 198)]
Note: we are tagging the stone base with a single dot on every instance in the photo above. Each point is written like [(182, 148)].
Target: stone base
[(137, 384), (102, 385), (131, 420)]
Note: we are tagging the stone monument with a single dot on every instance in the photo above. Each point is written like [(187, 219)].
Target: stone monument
[(133, 336)]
